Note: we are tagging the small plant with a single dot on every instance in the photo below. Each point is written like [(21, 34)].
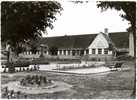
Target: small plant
[(34, 80)]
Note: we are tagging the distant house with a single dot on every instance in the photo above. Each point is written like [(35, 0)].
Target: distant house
[(101, 46)]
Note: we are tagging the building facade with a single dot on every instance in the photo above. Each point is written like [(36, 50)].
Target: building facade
[(101, 46)]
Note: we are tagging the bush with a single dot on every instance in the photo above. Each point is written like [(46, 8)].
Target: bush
[(93, 59), (93, 65), (124, 57)]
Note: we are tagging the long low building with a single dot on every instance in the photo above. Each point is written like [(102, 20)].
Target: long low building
[(100, 46)]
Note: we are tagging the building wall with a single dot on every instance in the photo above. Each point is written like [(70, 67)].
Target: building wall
[(28, 54), (99, 46), (99, 42), (97, 57), (98, 50)]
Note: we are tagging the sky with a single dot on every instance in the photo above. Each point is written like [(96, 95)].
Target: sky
[(86, 18)]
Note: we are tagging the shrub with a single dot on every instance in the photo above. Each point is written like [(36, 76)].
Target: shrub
[(93, 59), (93, 65), (124, 57)]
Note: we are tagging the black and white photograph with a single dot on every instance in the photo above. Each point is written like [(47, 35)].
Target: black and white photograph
[(68, 49)]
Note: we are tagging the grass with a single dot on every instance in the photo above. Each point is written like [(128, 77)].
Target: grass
[(118, 84)]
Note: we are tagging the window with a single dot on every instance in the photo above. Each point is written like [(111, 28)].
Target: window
[(105, 51), (73, 52), (82, 52), (60, 52), (99, 51), (77, 52), (68, 52), (93, 51), (64, 52), (87, 51)]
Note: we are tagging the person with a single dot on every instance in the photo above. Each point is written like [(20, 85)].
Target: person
[(17, 70), (20, 69), (25, 96), (4, 70), (18, 94), (5, 94), (23, 69), (9, 95), (35, 68), (12, 94), (28, 69), (38, 68)]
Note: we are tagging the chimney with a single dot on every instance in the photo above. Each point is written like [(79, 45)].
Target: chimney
[(106, 31)]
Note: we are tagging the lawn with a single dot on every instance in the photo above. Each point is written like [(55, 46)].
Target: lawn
[(109, 85)]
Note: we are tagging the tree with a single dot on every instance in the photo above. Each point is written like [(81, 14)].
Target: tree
[(34, 45), (23, 21), (53, 50), (130, 13)]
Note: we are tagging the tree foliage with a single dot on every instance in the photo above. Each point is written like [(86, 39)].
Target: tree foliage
[(79, 2), (34, 45), (130, 14), (128, 7), (23, 21), (53, 50)]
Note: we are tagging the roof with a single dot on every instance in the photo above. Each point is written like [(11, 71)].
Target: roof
[(72, 41), (120, 39)]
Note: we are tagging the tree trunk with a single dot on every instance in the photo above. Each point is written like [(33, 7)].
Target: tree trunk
[(131, 44)]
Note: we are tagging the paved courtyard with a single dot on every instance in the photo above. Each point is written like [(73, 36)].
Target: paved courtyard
[(115, 84)]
